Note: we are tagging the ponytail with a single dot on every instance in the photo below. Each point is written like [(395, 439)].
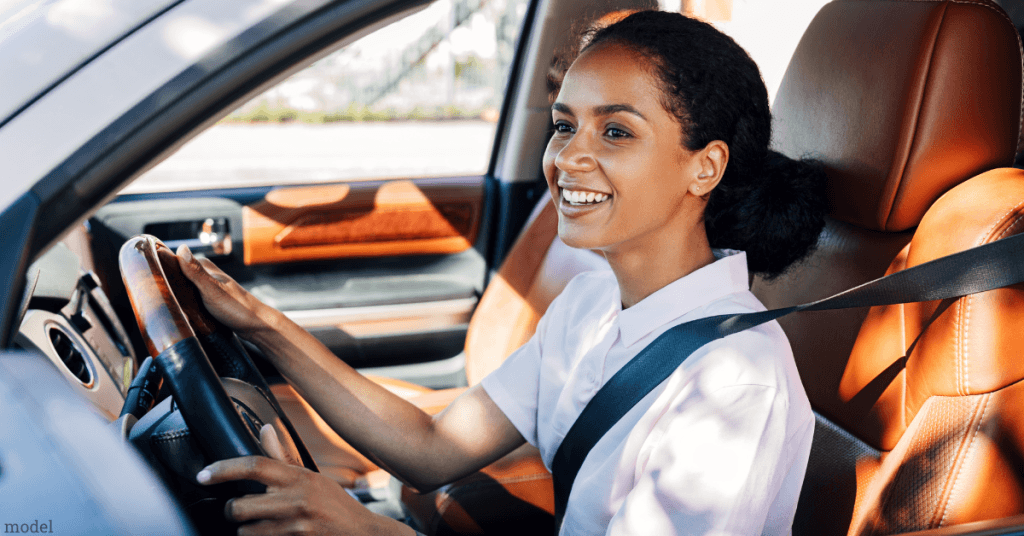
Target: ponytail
[(775, 214)]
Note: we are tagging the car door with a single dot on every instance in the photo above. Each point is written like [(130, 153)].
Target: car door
[(357, 195)]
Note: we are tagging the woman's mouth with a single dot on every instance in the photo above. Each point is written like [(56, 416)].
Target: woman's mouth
[(579, 197)]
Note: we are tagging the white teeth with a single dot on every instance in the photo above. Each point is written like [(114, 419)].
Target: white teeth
[(578, 197)]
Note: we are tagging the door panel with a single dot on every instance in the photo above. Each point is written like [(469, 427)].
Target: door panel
[(430, 216)]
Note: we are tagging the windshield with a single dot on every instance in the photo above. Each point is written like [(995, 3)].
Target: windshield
[(45, 40)]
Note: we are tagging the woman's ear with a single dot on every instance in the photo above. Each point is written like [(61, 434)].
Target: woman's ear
[(711, 161)]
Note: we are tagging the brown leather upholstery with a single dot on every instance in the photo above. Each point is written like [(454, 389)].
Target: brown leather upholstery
[(903, 101), (946, 415), (935, 437), (924, 431)]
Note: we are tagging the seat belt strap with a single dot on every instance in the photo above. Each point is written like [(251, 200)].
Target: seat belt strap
[(990, 266)]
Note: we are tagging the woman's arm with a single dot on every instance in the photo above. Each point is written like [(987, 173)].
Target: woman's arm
[(422, 451)]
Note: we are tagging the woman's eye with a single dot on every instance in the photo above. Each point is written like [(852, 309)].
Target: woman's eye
[(562, 127), (613, 132)]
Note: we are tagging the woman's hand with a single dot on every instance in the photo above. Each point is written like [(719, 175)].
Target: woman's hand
[(297, 500), (224, 298)]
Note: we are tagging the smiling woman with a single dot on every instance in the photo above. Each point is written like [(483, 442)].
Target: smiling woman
[(904, 440), (660, 154), (641, 148)]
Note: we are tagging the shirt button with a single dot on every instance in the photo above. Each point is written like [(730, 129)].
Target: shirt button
[(591, 377)]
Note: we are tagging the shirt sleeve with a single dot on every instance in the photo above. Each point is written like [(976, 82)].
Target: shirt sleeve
[(715, 468), (514, 386)]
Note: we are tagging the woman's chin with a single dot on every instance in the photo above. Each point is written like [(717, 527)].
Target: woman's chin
[(575, 237)]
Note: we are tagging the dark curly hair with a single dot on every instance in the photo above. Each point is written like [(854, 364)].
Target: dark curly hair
[(766, 204)]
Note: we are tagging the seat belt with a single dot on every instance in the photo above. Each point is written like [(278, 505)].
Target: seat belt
[(990, 266)]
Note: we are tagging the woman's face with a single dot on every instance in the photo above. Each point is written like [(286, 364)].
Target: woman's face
[(616, 166)]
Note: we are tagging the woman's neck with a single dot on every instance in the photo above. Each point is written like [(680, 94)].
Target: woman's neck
[(644, 268)]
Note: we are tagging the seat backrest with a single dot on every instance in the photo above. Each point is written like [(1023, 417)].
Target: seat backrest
[(536, 270), (902, 101)]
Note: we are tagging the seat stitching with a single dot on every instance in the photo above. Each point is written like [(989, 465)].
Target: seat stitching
[(963, 460), (966, 352), (966, 320), (903, 392), (958, 350), (988, 233)]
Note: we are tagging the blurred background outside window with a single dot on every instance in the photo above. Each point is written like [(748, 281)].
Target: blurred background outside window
[(417, 98)]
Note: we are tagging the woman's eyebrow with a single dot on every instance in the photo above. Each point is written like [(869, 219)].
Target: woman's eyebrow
[(559, 107), (609, 109), (603, 110)]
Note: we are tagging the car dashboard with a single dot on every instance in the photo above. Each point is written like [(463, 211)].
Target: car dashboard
[(66, 316)]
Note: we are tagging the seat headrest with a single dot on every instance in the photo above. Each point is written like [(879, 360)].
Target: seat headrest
[(901, 100)]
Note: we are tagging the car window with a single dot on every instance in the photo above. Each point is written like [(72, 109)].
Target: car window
[(417, 98)]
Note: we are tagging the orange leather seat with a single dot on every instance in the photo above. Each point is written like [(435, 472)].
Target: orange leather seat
[(917, 405)]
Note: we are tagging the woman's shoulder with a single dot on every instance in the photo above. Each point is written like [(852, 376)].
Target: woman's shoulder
[(760, 355)]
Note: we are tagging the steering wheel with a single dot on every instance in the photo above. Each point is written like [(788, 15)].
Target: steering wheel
[(222, 397)]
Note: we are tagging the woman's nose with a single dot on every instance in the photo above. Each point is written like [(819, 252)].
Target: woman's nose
[(575, 155)]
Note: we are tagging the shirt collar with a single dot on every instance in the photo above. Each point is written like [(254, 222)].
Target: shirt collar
[(725, 276)]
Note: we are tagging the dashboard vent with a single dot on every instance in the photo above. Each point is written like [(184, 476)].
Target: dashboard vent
[(72, 358)]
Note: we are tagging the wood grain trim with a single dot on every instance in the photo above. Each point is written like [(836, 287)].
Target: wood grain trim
[(185, 292), (404, 217), (156, 309)]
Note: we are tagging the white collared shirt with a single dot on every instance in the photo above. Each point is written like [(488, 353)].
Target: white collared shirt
[(720, 447)]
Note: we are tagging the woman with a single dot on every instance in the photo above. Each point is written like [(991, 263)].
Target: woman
[(659, 154)]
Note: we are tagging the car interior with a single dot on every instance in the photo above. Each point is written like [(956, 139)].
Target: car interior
[(915, 109)]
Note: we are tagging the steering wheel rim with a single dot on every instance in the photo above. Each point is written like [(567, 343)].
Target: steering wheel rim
[(177, 330)]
